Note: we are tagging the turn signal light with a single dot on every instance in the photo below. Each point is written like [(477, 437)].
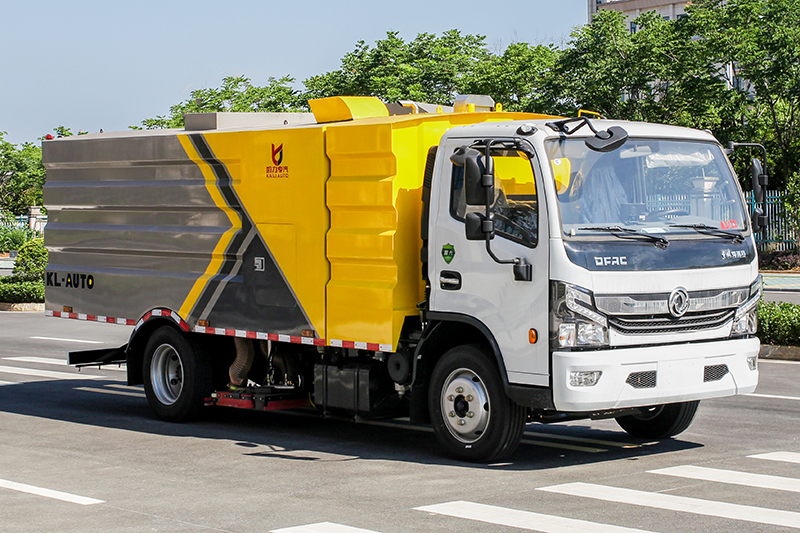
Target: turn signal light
[(532, 336)]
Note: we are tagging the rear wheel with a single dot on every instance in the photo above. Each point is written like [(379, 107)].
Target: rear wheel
[(177, 375), (472, 417), (660, 421)]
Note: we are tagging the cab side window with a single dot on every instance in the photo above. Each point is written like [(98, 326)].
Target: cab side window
[(515, 206)]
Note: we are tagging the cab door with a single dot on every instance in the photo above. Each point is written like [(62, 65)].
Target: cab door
[(464, 278)]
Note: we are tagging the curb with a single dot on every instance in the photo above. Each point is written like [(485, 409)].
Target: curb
[(4, 306), (789, 353)]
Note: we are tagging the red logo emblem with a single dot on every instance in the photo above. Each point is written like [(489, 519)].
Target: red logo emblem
[(277, 154)]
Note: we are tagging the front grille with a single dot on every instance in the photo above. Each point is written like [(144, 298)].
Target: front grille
[(645, 325), (714, 373), (642, 380)]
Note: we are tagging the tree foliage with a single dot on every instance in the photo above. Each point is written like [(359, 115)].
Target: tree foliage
[(236, 94), (428, 69), (22, 176)]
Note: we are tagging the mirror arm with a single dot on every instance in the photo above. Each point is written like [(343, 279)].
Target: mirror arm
[(523, 271)]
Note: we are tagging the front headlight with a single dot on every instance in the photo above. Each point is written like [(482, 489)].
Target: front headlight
[(745, 321), (575, 321)]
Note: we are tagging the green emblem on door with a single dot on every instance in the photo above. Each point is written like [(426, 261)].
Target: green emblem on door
[(448, 252)]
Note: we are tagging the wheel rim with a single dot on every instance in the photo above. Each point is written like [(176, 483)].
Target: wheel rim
[(166, 374), (465, 405)]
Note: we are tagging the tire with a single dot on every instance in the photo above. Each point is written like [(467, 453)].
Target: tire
[(177, 375), (660, 421), (472, 417)]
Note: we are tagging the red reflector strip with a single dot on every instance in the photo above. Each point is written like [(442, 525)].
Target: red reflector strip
[(275, 337), (122, 321)]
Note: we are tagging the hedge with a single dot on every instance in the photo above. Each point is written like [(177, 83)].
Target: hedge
[(31, 261), (16, 292), (779, 323)]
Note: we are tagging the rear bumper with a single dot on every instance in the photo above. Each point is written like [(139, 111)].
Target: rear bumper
[(680, 374)]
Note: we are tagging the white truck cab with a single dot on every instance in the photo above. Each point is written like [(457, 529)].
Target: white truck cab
[(617, 277)]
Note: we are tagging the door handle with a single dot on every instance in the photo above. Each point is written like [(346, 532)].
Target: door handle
[(449, 280)]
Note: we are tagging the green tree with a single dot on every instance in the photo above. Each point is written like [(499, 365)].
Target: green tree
[(236, 94), (519, 78), (428, 69), (22, 176), (760, 40), (656, 74)]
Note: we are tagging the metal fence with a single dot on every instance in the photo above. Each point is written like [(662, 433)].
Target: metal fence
[(780, 235), (24, 221)]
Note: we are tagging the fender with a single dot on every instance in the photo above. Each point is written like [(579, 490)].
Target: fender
[(539, 398)]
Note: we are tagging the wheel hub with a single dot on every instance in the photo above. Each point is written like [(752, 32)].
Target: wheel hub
[(166, 374), (465, 405)]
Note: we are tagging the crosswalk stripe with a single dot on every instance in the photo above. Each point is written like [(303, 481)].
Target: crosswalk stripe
[(43, 373), (759, 515), (785, 457), (522, 519), (48, 493), (322, 527), (109, 391), (732, 477)]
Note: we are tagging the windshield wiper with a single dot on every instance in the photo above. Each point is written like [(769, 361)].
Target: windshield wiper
[(627, 233), (711, 230)]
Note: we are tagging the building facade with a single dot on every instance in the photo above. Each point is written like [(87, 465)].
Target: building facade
[(633, 8)]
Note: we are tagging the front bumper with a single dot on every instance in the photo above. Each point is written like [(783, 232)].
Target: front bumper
[(680, 374)]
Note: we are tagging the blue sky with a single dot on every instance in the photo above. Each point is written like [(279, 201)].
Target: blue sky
[(99, 64)]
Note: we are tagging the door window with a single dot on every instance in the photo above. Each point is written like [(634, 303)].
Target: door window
[(515, 206)]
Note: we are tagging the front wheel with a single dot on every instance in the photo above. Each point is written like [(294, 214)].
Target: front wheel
[(472, 417), (177, 375), (660, 421)]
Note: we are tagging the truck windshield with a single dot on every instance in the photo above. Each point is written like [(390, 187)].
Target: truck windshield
[(651, 186)]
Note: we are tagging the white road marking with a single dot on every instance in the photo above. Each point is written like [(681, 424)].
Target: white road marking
[(562, 446), (521, 519), (108, 391), (732, 511), (785, 457), (773, 396), (43, 373), (139, 388), (732, 477), (778, 361), (8, 383), (47, 493), (39, 360), (322, 527), (65, 340), (58, 362), (582, 439)]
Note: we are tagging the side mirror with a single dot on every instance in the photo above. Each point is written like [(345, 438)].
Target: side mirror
[(478, 175), (477, 227), (758, 179), (759, 221), (607, 140)]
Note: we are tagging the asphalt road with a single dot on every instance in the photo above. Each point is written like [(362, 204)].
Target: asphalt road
[(782, 296), (117, 468)]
